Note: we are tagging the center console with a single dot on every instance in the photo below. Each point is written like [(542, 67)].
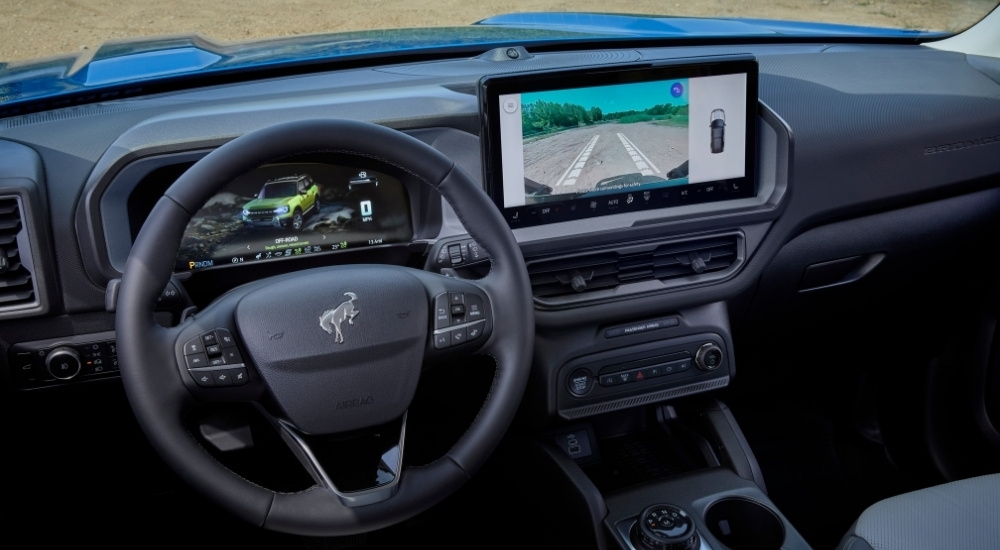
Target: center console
[(661, 477), (713, 509)]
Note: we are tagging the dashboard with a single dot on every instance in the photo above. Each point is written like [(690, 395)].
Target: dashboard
[(620, 251), (803, 171), (618, 254)]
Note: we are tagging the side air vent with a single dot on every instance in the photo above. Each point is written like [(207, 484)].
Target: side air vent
[(17, 284), (568, 279)]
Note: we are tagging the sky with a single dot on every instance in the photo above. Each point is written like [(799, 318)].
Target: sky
[(635, 96)]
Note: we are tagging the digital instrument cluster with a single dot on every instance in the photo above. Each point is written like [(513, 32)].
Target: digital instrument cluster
[(287, 210)]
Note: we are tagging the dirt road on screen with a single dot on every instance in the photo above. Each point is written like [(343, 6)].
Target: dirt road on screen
[(575, 161)]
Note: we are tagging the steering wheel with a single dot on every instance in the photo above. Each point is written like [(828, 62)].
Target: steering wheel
[(344, 355)]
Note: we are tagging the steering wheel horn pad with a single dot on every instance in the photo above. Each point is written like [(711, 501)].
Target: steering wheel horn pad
[(338, 349)]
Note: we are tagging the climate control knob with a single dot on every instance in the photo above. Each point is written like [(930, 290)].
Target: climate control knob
[(665, 527), (708, 356), (63, 363)]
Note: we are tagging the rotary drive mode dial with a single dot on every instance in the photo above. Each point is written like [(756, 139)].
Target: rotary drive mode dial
[(665, 527)]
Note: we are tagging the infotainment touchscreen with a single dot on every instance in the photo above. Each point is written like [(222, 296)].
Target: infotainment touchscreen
[(568, 145)]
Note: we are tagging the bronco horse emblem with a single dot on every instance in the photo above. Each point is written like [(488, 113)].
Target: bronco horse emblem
[(332, 319)]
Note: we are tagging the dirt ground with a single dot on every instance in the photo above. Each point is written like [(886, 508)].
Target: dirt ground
[(42, 28)]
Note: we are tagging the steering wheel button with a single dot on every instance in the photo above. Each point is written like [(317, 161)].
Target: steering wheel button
[(239, 376), (194, 346), (442, 315), (232, 356), (226, 339), (213, 350), (455, 253), (459, 336), (222, 377), (475, 252), (443, 259), (458, 310), (456, 298), (196, 361), (442, 340), (203, 378), (216, 362), (474, 307), (475, 331), (209, 338)]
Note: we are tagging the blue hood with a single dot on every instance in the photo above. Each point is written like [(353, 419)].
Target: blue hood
[(127, 67), (654, 26)]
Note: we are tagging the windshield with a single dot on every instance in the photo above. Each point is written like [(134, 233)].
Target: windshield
[(34, 30)]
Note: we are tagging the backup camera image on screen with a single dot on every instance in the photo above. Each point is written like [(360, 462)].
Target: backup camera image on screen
[(285, 210), (583, 142), (606, 138)]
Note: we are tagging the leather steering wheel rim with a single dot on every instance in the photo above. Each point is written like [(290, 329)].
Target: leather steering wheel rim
[(158, 395)]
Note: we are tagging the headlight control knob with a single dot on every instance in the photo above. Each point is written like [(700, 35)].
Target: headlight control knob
[(63, 363), (708, 356), (665, 527)]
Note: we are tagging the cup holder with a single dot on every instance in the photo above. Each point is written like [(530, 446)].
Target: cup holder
[(744, 524)]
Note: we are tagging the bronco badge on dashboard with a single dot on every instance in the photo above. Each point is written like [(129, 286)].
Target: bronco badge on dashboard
[(332, 319)]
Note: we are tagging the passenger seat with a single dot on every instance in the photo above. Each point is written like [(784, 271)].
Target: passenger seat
[(962, 514)]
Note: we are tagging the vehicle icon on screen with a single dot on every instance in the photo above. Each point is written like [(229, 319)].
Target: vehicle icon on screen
[(283, 202), (718, 126)]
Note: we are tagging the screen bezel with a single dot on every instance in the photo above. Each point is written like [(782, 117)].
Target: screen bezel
[(491, 88)]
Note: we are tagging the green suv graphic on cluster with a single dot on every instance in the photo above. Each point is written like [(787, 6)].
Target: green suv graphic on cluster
[(283, 202)]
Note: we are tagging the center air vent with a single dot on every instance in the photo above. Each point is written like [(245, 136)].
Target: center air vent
[(17, 287), (676, 263)]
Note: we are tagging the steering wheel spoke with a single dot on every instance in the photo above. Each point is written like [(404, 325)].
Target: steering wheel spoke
[(360, 468)]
